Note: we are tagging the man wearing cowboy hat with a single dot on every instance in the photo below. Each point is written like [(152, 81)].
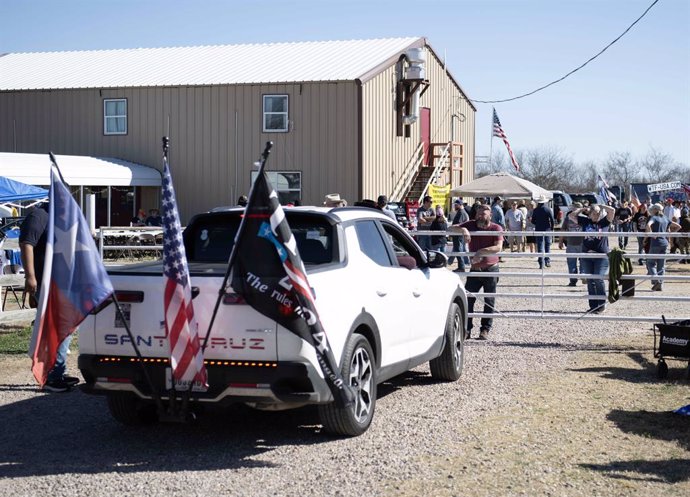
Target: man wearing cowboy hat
[(542, 219), (334, 200)]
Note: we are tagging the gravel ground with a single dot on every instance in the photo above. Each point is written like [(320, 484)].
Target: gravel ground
[(537, 412)]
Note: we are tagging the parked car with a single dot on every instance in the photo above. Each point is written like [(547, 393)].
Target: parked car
[(561, 205), (386, 307), (589, 197)]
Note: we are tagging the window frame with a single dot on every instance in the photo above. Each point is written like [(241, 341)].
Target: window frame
[(273, 175), (106, 117), (264, 113)]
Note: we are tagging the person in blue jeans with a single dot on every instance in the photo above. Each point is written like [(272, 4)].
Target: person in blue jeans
[(573, 244), (460, 216), (658, 223), (32, 242), (484, 262), (596, 221), (542, 219)]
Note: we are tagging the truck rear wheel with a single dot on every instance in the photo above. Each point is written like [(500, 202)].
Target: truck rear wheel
[(359, 372), (129, 410)]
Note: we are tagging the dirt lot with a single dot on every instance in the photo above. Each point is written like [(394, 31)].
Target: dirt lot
[(600, 425), (543, 408)]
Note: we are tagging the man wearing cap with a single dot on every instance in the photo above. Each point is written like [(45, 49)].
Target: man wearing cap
[(382, 203), (542, 219), (460, 216), (425, 216)]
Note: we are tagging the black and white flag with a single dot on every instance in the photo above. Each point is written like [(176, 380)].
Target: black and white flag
[(268, 272)]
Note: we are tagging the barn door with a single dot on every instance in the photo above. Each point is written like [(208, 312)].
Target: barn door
[(425, 131)]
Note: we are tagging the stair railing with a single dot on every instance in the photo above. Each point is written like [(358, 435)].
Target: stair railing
[(438, 167), (406, 179)]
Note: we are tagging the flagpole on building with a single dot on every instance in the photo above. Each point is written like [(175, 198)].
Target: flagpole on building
[(233, 252)]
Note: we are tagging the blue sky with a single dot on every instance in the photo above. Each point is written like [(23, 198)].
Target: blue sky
[(634, 96)]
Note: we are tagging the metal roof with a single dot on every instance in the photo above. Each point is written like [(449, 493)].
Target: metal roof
[(204, 65), (34, 169)]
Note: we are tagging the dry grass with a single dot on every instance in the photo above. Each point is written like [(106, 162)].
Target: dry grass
[(603, 425)]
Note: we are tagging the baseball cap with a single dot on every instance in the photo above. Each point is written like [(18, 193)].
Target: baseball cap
[(458, 201)]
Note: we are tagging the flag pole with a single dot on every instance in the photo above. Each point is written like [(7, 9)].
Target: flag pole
[(491, 142), (233, 252), (156, 396)]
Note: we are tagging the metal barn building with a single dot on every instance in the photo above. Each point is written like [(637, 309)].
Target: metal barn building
[(360, 117)]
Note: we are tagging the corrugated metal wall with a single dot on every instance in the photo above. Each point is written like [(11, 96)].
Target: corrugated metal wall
[(322, 142), (386, 155)]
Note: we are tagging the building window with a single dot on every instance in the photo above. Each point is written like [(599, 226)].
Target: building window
[(288, 185), (115, 116), (275, 113)]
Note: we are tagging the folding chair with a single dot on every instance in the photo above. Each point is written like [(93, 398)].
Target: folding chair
[(14, 269)]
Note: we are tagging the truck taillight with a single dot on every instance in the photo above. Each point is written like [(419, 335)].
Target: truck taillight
[(233, 299)]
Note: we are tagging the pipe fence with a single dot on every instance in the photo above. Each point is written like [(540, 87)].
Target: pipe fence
[(543, 274)]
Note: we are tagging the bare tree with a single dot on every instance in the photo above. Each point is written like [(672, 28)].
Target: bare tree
[(658, 167), (546, 167), (621, 170), (496, 164), (582, 178)]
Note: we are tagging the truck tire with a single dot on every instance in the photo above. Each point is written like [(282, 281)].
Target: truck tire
[(359, 372), (129, 410), (448, 366)]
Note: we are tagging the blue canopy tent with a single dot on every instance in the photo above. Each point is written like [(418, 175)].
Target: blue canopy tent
[(14, 191)]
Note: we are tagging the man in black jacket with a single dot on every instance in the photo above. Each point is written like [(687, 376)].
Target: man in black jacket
[(542, 219)]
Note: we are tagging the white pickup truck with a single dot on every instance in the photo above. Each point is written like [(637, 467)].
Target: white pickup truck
[(385, 305)]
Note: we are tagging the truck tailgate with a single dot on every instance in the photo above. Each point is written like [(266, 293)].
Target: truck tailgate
[(239, 332)]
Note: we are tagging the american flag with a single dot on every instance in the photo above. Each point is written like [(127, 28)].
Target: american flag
[(686, 189), (181, 326), (499, 133)]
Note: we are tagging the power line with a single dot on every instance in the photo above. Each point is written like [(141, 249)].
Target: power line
[(574, 70)]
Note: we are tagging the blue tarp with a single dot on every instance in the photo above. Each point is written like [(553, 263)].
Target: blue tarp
[(13, 191)]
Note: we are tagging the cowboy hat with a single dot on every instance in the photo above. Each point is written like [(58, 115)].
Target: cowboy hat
[(541, 199), (333, 199)]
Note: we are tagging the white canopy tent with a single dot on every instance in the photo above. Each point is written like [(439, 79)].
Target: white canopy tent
[(79, 171), (503, 184)]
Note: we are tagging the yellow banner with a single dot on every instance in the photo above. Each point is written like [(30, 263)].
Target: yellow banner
[(440, 195)]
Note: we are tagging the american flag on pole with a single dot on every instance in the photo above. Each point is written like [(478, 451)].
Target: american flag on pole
[(181, 326), (74, 280), (499, 133)]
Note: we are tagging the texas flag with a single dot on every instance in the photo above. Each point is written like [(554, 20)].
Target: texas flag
[(74, 279)]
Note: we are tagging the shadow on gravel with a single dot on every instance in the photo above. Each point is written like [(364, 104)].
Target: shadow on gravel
[(573, 347), (670, 471), (53, 434), (645, 374), (660, 425), (409, 378)]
